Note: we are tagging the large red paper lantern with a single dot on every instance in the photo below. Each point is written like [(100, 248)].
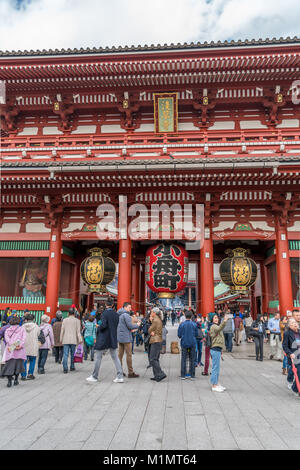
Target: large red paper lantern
[(166, 269)]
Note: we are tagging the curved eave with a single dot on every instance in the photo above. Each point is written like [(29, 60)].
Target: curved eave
[(166, 48)]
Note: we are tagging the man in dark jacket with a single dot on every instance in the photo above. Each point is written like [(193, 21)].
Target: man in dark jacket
[(106, 338), (291, 347), (188, 333), (258, 331)]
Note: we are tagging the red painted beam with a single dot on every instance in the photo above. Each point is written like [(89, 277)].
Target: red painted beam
[(29, 306), (23, 253)]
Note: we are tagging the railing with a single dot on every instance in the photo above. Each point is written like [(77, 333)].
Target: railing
[(182, 137), (22, 300), (24, 245)]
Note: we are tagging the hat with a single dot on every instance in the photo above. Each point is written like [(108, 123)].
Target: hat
[(45, 319), (58, 315), (155, 310)]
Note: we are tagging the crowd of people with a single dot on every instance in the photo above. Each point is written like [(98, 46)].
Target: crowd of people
[(24, 343)]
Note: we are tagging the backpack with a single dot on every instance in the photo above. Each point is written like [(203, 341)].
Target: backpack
[(208, 340), (41, 337), (200, 332)]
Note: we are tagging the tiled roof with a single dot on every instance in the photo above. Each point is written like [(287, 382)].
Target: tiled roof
[(153, 48), (292, 159)]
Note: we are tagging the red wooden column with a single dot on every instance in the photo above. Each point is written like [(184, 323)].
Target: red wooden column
[(207, 277), (284, 277), (198, 288), (253, 303), (54, 266), (264, 288), (124, 280), (135, 295), (142, 290)]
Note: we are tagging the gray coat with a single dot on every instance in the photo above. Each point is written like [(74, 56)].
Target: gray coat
[(124, 327), (229, 327)]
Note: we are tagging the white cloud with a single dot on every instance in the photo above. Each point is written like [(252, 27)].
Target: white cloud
[(59, 24)]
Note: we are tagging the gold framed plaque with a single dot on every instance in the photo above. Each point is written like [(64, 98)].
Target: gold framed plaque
[(165, 112)]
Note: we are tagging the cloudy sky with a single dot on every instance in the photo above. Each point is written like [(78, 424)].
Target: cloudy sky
[(45, 24)]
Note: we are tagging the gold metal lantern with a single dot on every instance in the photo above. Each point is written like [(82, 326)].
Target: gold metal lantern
[(238, 271), (98, 270)]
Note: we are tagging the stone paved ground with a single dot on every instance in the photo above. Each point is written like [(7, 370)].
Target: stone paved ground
[(63, 411)]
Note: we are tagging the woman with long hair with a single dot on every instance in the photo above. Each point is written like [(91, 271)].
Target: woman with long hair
[(217, 345)]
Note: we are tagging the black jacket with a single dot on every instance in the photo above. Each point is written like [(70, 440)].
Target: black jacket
[(200, 334), (255, 324), (289, 344), (107, 332)]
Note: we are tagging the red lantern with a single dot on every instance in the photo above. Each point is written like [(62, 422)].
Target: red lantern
[(166, 269)]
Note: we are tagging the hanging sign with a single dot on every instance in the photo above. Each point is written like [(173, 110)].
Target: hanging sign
[(165, 112)]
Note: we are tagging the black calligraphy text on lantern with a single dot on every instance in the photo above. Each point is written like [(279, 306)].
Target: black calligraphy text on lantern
[(166, 267)]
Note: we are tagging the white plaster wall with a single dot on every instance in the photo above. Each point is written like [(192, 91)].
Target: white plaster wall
[(51, 130), (224, 226), (289, 123), (10, 228), (149, 127), (37, 228), (219, 125), (85, 130), (187, 126), (252, 125), (262, 225), (106, 129), (295, 227), (29, 131), (73, 226)]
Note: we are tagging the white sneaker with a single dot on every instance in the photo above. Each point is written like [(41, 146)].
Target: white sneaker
[(221, 386), (91, 379), (289, 385), (217, 389), (118, 381)]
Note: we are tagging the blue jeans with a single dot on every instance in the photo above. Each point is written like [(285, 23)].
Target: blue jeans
[(32, 361), (290, 376), (285, 362), (228, 341), (43, 354), (139, 339), (188, 354), (215, 371), (69, 349), (198, 355)]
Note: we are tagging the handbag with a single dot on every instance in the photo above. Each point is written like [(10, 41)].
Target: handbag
[(89, 341), (78, 356), (253, 332)]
